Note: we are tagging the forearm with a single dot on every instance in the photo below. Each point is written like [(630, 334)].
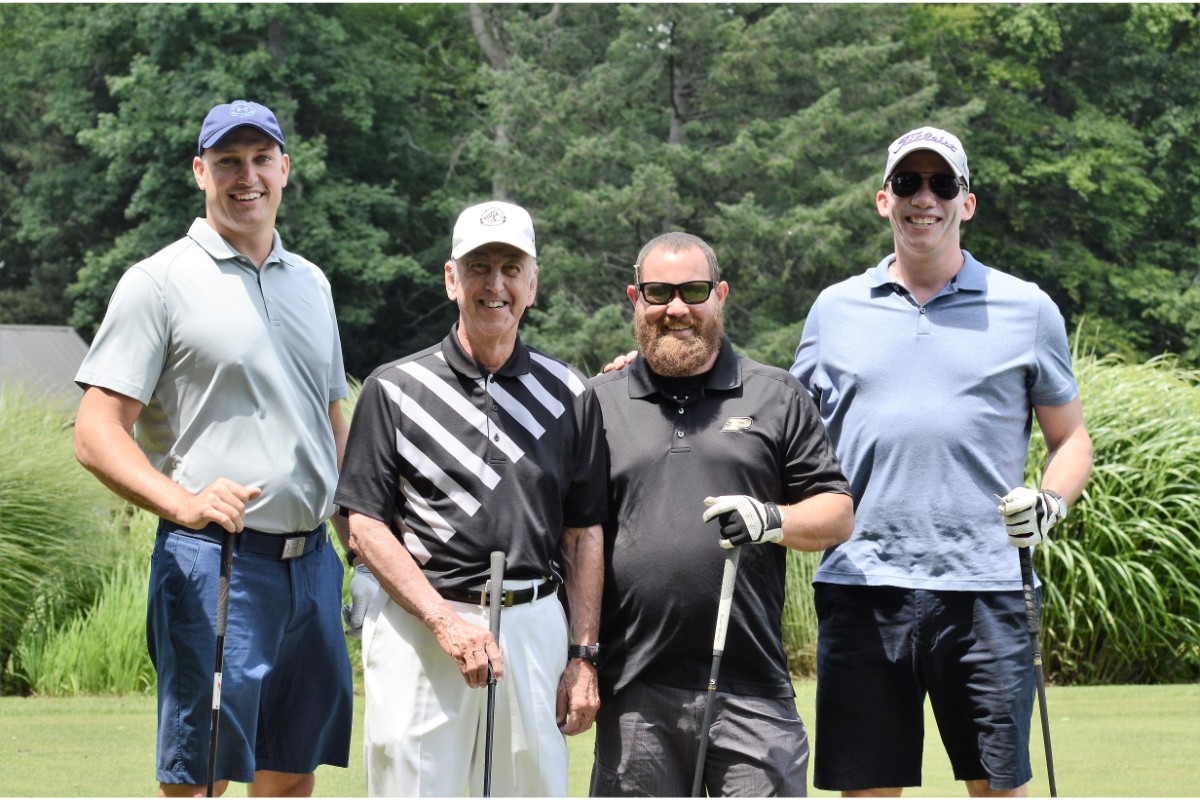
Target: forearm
[(397, 571), (1069, 466), (105, 447), (818, 522), (583, 559)]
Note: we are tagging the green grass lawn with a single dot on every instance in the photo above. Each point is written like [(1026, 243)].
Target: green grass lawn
[(1117, 741)]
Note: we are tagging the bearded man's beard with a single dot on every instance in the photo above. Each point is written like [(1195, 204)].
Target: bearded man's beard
[(673, 357)]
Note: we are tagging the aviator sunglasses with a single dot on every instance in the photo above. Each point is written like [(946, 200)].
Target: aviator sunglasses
[(944, 185), (691, 292)]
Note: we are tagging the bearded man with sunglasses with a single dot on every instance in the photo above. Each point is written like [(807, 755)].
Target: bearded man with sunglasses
[(697, 434), (928, 370)]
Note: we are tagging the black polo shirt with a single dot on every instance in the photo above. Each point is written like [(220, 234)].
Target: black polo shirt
[(460, 463), (742, 428)]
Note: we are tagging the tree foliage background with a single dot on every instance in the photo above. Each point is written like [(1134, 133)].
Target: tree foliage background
[(760, 127)]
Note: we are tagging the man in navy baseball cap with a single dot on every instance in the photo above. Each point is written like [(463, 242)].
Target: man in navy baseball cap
[(228, 116), (230, 343)]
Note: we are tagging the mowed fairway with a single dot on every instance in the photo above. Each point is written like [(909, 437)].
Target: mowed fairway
[(1119, 741)]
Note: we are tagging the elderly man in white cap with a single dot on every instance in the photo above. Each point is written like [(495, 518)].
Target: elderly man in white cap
[(928, 369), (477, 444)]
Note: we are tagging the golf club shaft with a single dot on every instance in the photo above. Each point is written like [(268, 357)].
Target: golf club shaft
[(222, 623), (495, 601), (1035, 635), (723, 607)]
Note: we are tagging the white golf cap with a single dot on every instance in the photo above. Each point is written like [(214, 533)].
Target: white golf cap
[(936, 140), (490, 222)]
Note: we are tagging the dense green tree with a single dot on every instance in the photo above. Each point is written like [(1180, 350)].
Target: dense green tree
[(757, 126), (100, 175)]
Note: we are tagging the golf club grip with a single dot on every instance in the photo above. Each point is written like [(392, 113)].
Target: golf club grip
[(726, 602), (223, 583), (495, 594), (1032, 619)]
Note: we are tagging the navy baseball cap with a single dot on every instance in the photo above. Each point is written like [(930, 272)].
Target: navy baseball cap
[(227, 116)]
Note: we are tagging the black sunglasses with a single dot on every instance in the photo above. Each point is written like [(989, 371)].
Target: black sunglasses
[(659, 294), (943, 184)]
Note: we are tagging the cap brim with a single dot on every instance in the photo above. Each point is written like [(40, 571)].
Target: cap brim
[(521, 243), (223, 132)]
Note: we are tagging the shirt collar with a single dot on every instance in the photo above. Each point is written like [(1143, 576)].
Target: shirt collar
[(725, 375), (972, 277), (462, 363), (215, 245)]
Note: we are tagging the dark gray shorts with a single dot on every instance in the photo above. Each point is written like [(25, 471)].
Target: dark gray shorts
[(647, 742), (882, 649)]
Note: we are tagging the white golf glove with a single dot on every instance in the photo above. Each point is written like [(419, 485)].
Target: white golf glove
[(1029, 514), (363, 587), (744, 519)]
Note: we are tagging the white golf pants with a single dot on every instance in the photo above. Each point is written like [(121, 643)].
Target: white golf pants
[(424, 729)]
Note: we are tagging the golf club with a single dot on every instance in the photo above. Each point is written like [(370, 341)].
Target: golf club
[(222, 620), (1035, 630), (495, 589), (723, 606)]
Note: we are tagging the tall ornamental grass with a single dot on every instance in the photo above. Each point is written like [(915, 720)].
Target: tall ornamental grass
[(1122, 573), (56, 540), (101, 649)]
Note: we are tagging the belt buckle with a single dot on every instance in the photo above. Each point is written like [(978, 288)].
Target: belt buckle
[(293, 547), (506, 596)]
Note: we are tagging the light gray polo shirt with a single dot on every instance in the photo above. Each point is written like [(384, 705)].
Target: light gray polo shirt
[(236, 368), (930, 411)]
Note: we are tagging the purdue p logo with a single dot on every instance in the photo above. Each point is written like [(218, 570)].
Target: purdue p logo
[(736, 424)]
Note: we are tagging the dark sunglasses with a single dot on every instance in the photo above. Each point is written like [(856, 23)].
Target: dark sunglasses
[(692, 292), (944, 185)]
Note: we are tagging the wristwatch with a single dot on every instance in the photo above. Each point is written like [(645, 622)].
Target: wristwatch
[(588, 652)]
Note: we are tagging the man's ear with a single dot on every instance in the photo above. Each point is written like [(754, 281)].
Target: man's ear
[(451, 281), (198, 172)]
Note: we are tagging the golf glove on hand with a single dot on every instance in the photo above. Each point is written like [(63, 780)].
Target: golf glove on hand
[(363, 587), (1029, 514), (744, 519)]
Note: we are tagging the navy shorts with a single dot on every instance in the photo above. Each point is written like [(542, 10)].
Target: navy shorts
[(647, 740), (882, 649), (286, 696)]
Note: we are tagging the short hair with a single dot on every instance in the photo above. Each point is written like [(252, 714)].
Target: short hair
[(676, 242)]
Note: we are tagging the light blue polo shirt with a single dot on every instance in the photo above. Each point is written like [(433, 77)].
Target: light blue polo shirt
[(236, 367), (930, 411)]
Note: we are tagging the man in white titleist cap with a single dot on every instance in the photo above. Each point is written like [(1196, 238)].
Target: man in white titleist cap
[(927, 370), (477, 444)]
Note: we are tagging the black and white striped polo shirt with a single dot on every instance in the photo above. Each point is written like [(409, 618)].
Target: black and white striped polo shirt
[(459, 462)]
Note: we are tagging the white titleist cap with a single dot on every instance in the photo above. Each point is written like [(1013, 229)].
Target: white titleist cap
[(936, 140), (493, 222)]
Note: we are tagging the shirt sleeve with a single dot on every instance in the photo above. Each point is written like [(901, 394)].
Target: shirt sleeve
[(130, 348), (370, 468), (804, 367), (812, 466), (586, 502), (1053, 380)]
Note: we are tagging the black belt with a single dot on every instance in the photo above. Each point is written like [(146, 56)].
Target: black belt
[(511, 597), (276, 545)]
